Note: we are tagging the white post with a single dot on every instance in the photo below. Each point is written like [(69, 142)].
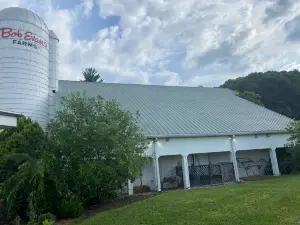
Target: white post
[(156, 172), (233, 160), (185, 171), (130, 188), (274, 162)]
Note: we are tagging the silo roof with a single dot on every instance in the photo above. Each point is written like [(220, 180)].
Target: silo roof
[(25, 15), (53, 35)]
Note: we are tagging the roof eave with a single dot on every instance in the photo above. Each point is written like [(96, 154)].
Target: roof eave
[(7, 113), (216, 135)]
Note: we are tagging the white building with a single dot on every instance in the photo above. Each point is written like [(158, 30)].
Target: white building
[(8, 119), (203, 135), (200, 136)]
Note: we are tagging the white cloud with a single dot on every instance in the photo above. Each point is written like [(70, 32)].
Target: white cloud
[(186, 42), (9, 3), (87, 6), (167, 78)]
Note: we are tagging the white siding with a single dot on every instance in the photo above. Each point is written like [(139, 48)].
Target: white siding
[(7, 121), (148, 177)]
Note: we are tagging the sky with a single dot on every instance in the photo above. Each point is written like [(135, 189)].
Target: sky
[(171, 42)]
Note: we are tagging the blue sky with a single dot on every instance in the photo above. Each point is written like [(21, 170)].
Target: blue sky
[(172, 42), (87, 26)]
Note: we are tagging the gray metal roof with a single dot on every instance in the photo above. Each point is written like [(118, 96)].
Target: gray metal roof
[(185, 111)]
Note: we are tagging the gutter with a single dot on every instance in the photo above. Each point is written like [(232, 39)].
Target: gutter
[(215, 135), (7, 113)]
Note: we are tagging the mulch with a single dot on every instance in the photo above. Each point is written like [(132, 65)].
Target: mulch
[(255, 178)]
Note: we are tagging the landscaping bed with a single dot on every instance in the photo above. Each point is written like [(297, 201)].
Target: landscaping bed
[(256, 178)]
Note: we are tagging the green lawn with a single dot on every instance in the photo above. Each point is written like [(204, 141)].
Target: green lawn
[(269, 202)]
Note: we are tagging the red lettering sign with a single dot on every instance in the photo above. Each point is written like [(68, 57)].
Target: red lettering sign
[(7, 32), (28, 36)]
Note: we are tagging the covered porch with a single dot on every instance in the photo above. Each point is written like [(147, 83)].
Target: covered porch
[(217, 168), (192, 162), (206, 161)]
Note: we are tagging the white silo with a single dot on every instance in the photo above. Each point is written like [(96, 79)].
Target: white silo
[(53, 71), (24, 64)]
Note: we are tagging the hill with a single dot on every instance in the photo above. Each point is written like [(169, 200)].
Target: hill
[(279, 91)]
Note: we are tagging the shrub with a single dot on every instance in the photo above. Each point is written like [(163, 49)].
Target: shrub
[(47, 216), (141, 189), (3, 215), (48, 222), (70, 209)]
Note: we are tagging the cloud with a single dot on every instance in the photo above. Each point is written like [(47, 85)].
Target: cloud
[(166, 78), (87, 6), (171, 42), (9, 3), (292, 29), (278, 8)]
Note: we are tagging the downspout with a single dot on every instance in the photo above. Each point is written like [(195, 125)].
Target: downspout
[(234, 161), (154, 162)]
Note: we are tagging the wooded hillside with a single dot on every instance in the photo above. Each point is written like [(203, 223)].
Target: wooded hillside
[(279, 91)]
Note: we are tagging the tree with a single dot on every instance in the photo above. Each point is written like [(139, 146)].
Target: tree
[(25, 170), (91, 75), (279, 91), (26, 137), (99, 146), (293, 146), (88, 151), (251, 96)]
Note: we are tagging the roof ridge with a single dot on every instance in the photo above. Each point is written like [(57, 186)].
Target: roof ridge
[(146, 85)]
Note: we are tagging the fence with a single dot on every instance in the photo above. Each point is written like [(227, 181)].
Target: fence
[(213, 174)]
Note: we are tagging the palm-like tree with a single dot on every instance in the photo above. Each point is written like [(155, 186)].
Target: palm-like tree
[(91, 75)]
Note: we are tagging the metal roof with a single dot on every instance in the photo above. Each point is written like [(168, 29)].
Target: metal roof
[(168, 111)]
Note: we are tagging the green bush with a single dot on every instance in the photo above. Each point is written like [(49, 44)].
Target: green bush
[(48, 222), (141, 189), (39, 169), (3, 215), (70, 209), (47, 216)]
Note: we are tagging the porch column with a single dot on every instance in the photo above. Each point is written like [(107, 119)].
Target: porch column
[(130, 188), (185, 171), (156, 172), (274, 162), (233, 160)]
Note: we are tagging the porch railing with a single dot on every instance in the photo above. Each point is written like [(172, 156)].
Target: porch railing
[(213, 174)]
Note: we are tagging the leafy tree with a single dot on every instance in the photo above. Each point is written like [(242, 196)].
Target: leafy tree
[(279, 91), (91, 75), (293, 146), (251, 96), (98, 145), (89, 151), (26, 137), (25, 173)]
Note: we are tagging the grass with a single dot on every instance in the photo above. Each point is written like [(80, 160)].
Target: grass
[(269, 202)]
